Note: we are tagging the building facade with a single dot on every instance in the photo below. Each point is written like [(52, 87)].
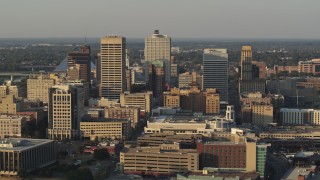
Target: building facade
[(38, 88), (106, 128), (25, 154), (262, 114), (65, 110), (154, 160), (80, 60), (131, 113), (215, 71), (11, 126), (249, 83), (158, 47), (141, 100), (300, 116), (112, 67)]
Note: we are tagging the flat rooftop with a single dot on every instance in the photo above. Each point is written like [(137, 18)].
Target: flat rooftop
[(183, 119), (156, 150), (21, 144), (293, 173)]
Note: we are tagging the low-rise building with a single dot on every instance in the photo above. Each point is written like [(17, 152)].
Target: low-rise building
[(117, 112), (154, 160), (11, 126), (106, 128), (25, 154), (300, 116), (141, 100)]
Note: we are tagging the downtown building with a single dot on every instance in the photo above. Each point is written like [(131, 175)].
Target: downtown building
[(111, 69), (193, 99), (25, 154), (141, 100), (38, 87), (79, 64), (11, 126), (215, 71), (65, 110), (248, 82), (158, 47)]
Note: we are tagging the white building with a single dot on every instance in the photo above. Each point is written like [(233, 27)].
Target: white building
[(300, 116)]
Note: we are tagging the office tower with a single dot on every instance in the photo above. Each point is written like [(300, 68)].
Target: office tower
[(80, 60), (158, 47), (249, 80), (215, 71), (158, 77), (112, 67), (65, 109), (246, 63), (38, 87)]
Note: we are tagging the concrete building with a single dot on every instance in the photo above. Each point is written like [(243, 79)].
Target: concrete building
[(247, 82), (82, 60), (25, 154), (141, 100), (131, 113), (112, 67), (185, 141), (311, 66), (7, 89), (186, 125), (158, 47), (215, 71), (262, 114), (8, 105), (38, 87), (157, 81), (300, 116), (11, 126), (106, 128), (261, 69), (188, 79), (240, 156), (65, 110), (157, 161), (193, 99)]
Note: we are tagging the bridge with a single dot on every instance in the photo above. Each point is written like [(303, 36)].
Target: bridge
[(15, 74)]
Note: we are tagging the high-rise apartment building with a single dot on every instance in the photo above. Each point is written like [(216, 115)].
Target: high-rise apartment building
[(158, 47), (215, 71), (38, 87), (249, 83), (65, 109), (112, 67), (80, 61)]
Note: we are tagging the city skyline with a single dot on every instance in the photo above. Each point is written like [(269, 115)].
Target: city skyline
[(182, 19)]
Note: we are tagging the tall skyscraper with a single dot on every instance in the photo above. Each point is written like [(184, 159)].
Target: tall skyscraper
[(80, 60), (66, 103), (215, 71), (158, 47), (246, 63), (249, 83), (112, 67)]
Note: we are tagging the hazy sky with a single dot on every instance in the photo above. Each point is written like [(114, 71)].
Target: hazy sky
[(177, 18)]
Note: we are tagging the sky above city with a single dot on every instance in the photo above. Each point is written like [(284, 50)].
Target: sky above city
[(296, 19)]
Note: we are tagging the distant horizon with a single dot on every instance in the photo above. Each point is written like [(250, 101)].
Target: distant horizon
[(232, 19)]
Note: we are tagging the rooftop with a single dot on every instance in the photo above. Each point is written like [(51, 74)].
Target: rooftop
[(20, 144)]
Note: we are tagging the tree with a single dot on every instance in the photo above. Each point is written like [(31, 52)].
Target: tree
[(101, 154), (80, 174)]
